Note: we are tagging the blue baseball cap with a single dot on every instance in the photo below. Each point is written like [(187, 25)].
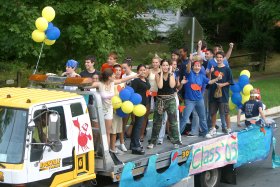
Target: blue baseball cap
[(72, 63)]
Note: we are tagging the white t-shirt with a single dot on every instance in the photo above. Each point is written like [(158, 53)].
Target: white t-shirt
[(131, 74)]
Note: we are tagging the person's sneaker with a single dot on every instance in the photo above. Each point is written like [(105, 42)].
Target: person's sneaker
[(228, 130), (159, 143), (224, 130), (217, 126), (191, 135), (150, 146), (212, 131), (123, 148), (114, 151), (208, 135)]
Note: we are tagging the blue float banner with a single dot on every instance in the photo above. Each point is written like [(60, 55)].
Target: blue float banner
[(172, 175), (275, 158), (253, 144)]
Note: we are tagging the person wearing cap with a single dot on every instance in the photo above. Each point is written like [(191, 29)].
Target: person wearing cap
[(90, 70), (253, 109), (71, 66), (194, 96)]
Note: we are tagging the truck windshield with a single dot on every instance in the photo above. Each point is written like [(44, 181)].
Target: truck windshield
[(12, 134)]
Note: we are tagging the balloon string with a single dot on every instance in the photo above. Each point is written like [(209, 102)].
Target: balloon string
[(38, 58)]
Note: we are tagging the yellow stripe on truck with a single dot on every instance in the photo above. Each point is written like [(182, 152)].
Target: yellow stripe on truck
[(13, 166), (74, 177)]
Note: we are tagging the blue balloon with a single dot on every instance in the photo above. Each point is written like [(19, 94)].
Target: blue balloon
[(50, 25), (243, 80), (130, 89), (235, 88), (135, 98), (125, 94), (53, 33), (120, 113), (236, 98)]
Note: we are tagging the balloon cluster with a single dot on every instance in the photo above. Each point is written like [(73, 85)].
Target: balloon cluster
[(128, 102), (240, 90), (46, 32)]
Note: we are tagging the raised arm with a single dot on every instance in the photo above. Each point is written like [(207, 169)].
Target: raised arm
[(172, 82), (159, 79), (189, 65), (199, 44), (228, 54)]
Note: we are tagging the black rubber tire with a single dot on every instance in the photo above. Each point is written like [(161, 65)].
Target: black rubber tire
[(209, 178)]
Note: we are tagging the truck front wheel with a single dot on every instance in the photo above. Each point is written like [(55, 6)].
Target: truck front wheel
[(209, 178)]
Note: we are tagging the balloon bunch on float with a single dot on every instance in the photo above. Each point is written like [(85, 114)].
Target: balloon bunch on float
[(46, 31), (240, 90), (128, 101)]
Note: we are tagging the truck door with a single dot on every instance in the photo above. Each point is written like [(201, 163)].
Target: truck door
[(82, 138), (44, 162)]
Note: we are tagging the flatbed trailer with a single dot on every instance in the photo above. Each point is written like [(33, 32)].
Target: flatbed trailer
[(69, 157)]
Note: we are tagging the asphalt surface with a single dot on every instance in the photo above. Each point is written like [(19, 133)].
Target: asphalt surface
[(261, 173)]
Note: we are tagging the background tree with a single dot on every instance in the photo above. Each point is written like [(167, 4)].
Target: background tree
[(87, 27)]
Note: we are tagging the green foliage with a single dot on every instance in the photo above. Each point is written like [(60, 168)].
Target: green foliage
[(87, 27), (176, 39), (258, 41)]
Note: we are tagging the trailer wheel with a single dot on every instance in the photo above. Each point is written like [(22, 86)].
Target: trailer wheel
[(209, 178)]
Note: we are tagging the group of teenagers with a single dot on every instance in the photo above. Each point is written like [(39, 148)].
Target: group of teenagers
[(197, 82)]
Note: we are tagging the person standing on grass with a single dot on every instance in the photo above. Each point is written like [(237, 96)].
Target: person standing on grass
[(219, 93), (140, 85), (165, 102)]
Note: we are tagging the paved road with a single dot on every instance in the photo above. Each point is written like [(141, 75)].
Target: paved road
[(259, 174)]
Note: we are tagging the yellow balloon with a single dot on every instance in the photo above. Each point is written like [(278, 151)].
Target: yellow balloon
[(245, 72), (245, 98), (48, 13), (127, 107), (49, 42), (38, 36), (116, 102), (139, 110), (41, 24), (247, 88), (232, 106)]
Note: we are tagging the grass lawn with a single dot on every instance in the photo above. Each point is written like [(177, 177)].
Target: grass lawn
[(270, 90)]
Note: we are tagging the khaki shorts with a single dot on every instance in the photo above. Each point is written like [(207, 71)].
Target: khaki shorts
[(222, 107), (117, 124)]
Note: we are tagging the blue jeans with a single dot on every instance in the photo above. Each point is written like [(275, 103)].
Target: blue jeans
[(200, 109)]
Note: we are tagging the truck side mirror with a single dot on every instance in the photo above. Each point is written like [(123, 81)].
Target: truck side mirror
[(54, 132)]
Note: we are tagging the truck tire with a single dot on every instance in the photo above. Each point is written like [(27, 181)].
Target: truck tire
[(209, 178)]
